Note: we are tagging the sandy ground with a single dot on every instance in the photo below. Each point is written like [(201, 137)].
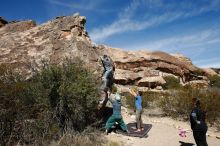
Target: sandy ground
[(164, 132)]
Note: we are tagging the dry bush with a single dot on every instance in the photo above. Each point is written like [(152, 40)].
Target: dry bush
[(114, 143), (85, 138), (171, 83), (179, 103), (149, 99), (57, 100), (215, 81)]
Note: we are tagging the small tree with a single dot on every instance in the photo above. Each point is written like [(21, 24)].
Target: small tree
[(215, 81), (171, 83)]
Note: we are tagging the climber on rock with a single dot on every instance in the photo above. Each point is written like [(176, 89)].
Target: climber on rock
[(107, 79), (108, 73)]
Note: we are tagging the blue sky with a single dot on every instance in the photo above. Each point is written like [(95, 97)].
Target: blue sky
[(189, 27)]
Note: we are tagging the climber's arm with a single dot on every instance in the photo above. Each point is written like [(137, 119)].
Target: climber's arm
[(194, 116), (132, 92)]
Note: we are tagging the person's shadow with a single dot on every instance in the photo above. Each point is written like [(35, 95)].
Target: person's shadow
[(186, 144)]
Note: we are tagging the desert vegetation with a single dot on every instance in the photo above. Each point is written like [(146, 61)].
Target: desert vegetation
[(59, 105), (54, 103), (214, 81), (176, 101), (171, 83)]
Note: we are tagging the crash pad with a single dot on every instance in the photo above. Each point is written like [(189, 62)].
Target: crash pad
[(132, 130)]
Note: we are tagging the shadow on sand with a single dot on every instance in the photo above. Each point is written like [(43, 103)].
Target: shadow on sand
[(186, 144)]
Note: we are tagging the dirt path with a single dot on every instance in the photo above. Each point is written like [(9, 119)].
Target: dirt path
[(163, 133)]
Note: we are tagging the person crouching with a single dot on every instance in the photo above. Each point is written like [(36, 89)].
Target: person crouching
[(116, 116)]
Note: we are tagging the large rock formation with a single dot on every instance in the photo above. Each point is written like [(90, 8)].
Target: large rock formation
[(209, 72), (26, 47), (147, 69)]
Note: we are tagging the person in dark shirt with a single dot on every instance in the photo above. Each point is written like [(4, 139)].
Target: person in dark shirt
[(198, 125), (138, 108), (116, 116)]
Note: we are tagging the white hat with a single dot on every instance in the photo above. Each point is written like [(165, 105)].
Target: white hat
[(117, 97)]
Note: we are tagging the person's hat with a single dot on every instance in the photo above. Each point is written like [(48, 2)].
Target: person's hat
[(117, 97)]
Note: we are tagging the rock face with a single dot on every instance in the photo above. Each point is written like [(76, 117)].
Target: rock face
[(147, 69), (151, 81), (26, 46), (209, 71), (182, 58), (199, 83), (20, 26)]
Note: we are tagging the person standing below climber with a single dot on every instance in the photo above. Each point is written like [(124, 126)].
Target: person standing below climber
[(116, 116), (138, 109), (198, 125)]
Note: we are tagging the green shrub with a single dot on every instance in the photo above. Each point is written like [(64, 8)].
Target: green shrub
[(54, 101), (214, 81), (171, 83), (211, 103), (199, 72), (149, 99), (179, 103), (130, 101), (176, 103)]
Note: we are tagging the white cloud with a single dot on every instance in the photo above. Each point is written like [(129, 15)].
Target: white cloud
[(80, 5), (167, 12), (74, 5), (210, 65), (193, 45), (207, 60), (123, 25), (195, 40)]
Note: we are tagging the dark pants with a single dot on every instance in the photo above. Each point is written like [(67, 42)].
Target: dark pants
[(200, 136)]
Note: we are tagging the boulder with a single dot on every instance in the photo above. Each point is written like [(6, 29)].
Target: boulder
[(198, 83), (131, 77), (209, 72), (160, 61), (26, 46), (125, 77), (151, 82), (182, 58)]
